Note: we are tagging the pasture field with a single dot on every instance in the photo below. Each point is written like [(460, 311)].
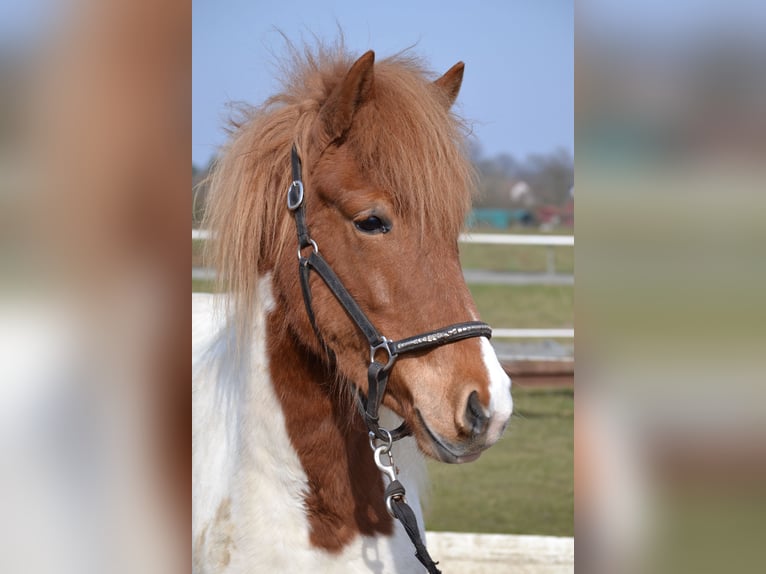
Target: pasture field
[(524, 484), (525, 306), (197, 248), (202, 286), (515, 258)]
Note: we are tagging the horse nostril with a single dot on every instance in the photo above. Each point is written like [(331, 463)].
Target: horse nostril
[(475, 419)]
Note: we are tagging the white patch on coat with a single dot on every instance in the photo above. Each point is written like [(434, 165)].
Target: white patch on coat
[(500, 401), (244, 463)]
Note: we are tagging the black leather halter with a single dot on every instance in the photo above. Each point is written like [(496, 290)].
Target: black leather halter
[(377, 372)]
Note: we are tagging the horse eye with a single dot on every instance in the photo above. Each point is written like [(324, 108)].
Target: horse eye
[(372, 224)]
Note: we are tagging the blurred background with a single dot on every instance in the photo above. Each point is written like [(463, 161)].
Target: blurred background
[(671, 139), (94, 190), (518, 257), (94, 324)]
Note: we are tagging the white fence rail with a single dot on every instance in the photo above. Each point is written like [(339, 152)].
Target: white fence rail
[(498, 239), (533, 333), (508, 239), (484, 238), (461, 553)]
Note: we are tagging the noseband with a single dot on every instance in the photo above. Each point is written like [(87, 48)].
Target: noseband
[(377, 371)]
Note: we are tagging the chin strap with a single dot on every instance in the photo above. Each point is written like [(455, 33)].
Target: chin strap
[(383, 354)]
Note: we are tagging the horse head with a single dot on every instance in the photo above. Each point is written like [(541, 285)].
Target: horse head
[(387, 189)]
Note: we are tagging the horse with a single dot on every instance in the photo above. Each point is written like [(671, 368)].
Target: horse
[(306, 419)]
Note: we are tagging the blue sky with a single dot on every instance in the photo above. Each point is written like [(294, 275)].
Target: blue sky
[(518, 85)]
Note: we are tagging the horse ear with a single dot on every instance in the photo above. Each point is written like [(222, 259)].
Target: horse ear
[(355, 89), (451, 81)]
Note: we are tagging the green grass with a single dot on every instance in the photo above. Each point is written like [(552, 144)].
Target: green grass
[(524, 484), (202, 286), (516, 258), (198, 246), (525, 306)]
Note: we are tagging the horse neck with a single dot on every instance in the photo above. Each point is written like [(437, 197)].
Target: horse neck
[(344, 495)]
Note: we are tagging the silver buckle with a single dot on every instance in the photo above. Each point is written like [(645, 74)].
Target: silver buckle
[(294, 200)]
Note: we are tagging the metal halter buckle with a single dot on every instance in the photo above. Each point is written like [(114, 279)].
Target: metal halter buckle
[(295, 195)]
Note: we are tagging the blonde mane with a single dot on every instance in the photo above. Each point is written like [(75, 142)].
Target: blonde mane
[(407, 142)]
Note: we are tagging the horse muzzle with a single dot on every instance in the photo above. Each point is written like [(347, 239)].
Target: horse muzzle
[(476, 431)]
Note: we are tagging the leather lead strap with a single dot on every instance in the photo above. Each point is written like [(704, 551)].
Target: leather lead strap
[(406, 516)]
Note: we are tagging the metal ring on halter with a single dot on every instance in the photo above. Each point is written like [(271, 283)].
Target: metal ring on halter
[(388, 503), (313, 245), (384, 344), (389, 440)]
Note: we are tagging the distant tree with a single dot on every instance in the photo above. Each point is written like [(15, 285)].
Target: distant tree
[(200, 188), (199, 193), (546, 179), (551, 176)]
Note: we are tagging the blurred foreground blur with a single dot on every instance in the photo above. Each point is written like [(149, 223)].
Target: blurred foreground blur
[(94, 406), (670, 309)]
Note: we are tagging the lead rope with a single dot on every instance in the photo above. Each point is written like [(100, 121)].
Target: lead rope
[(396, 502)]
